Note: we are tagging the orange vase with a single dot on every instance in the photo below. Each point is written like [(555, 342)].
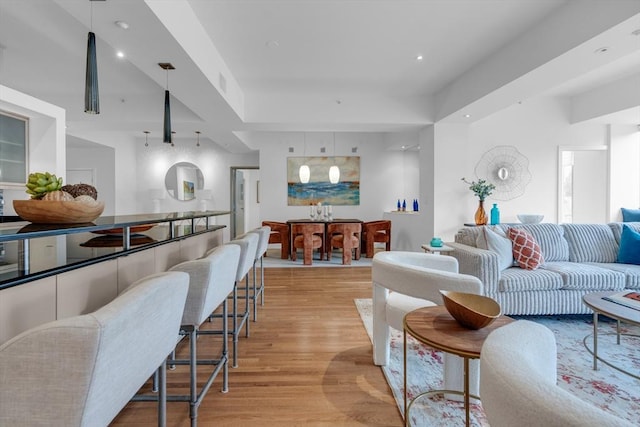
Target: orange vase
[(481, 214)]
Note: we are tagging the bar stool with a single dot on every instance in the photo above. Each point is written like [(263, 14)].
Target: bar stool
[(211, 280), (263, 243), (248, 244)]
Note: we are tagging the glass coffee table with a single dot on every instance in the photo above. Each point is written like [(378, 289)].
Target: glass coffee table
[(617, 312)]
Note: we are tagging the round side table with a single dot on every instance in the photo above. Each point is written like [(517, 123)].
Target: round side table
[(435, 327)]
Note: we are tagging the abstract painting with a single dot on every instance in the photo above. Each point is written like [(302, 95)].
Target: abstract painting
[(319, 189)]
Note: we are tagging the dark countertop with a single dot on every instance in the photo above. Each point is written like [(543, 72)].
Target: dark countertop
[(55, 248)]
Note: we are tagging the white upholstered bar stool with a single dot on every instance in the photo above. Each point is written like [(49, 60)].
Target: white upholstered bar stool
[(81, 371), (248, 244), (211, 281), (263, 243)]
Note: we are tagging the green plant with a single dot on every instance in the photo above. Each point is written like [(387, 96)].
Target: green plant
[(481, 189)]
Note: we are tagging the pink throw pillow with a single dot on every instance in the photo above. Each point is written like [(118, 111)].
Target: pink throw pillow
[(526, 250)]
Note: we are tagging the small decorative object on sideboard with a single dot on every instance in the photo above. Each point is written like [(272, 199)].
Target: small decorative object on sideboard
[(51, 204), (436, 242), (471, 310), (530, 218), (482, 189)]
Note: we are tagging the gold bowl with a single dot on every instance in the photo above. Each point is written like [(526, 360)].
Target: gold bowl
[(471, 310), (57, 211)]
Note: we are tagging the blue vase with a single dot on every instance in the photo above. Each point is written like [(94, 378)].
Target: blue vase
[(495, 215), (399, 205)]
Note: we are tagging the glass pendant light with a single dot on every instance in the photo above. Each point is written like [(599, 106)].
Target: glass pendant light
[(198, 138), (305, 172), (334, 171), (146, 138)]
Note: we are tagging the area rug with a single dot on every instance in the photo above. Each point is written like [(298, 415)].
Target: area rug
[(606, 388)]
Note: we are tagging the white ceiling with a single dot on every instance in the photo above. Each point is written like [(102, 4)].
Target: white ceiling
[(327, 65)]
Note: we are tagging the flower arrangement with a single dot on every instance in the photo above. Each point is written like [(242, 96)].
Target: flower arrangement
[(481, 189)]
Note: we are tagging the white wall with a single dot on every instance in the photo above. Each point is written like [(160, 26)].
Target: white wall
[(625, 173), (46, 138), (383, 180), (152, 163), (536, 128), (102, 160)]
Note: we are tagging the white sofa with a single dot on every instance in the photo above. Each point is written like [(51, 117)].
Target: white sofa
[(579, 259), (518, 377)]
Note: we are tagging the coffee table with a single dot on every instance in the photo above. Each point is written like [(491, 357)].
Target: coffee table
[(619, 313), (435, 327)]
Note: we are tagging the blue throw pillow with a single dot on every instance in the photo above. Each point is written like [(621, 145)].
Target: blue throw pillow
[(629, 252), (630, 215)]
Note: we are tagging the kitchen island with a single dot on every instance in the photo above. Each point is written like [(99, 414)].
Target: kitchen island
[(54, 271)]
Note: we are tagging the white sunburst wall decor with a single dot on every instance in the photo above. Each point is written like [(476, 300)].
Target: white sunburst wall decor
[(506, 168)]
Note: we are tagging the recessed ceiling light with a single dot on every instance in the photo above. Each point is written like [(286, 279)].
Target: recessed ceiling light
[(466, 116), (601, 50), (419, 58), (121, 24), (120, 54), (636, 32)]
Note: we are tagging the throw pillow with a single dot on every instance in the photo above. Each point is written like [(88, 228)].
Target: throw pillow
[(629, 252), (630, 215), (526, 250), (496, 241)]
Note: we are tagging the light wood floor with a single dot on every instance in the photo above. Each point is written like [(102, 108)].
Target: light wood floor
[(307, 361)]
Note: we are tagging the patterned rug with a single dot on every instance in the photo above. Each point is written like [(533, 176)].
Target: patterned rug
[(607, 388)]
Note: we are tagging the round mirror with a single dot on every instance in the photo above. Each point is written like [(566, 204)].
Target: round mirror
[(183, 180)]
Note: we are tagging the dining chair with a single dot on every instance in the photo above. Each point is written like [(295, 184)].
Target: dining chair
[(307, 236), (279, 234), (378, 231), (346, 236)]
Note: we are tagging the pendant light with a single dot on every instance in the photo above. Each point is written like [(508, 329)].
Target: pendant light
[(198, 138), (146, 138), (334, 171), (305, 172), (166, 134), (91, 95)]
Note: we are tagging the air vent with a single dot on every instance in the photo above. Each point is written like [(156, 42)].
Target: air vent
[(323, 150), (291, 149)]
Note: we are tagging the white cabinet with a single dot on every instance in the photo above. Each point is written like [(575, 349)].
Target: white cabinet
[(13, 149)]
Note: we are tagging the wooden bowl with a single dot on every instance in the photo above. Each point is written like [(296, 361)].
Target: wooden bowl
[(470, 310), (57, 211)]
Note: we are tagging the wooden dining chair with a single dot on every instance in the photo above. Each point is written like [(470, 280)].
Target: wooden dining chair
[(344, 235), (376, 232), (307, 236), (279, 234)]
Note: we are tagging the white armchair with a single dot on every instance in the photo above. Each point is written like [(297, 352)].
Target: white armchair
[(518, 382), (406, 281)]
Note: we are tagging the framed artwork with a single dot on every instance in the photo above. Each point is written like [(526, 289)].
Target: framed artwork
[(319, 189), (188, 190)]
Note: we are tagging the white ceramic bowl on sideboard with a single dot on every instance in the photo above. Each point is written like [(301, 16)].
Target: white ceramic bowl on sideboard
[(530, 218)]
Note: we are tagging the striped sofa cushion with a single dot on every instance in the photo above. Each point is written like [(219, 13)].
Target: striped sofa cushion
[(550, 238), (591, 243), (517, 279), (630, 271), (586, 276), (468, 235)]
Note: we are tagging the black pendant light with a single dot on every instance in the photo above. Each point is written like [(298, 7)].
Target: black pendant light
[(91, 96), (166, 134)]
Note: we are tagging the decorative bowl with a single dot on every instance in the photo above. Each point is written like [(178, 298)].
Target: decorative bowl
[(57, 211), (530, 218), (470, 310)]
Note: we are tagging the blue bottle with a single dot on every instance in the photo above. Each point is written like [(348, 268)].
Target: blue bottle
[(417, 208), (495, 215), (404, 205), (399, 205)]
